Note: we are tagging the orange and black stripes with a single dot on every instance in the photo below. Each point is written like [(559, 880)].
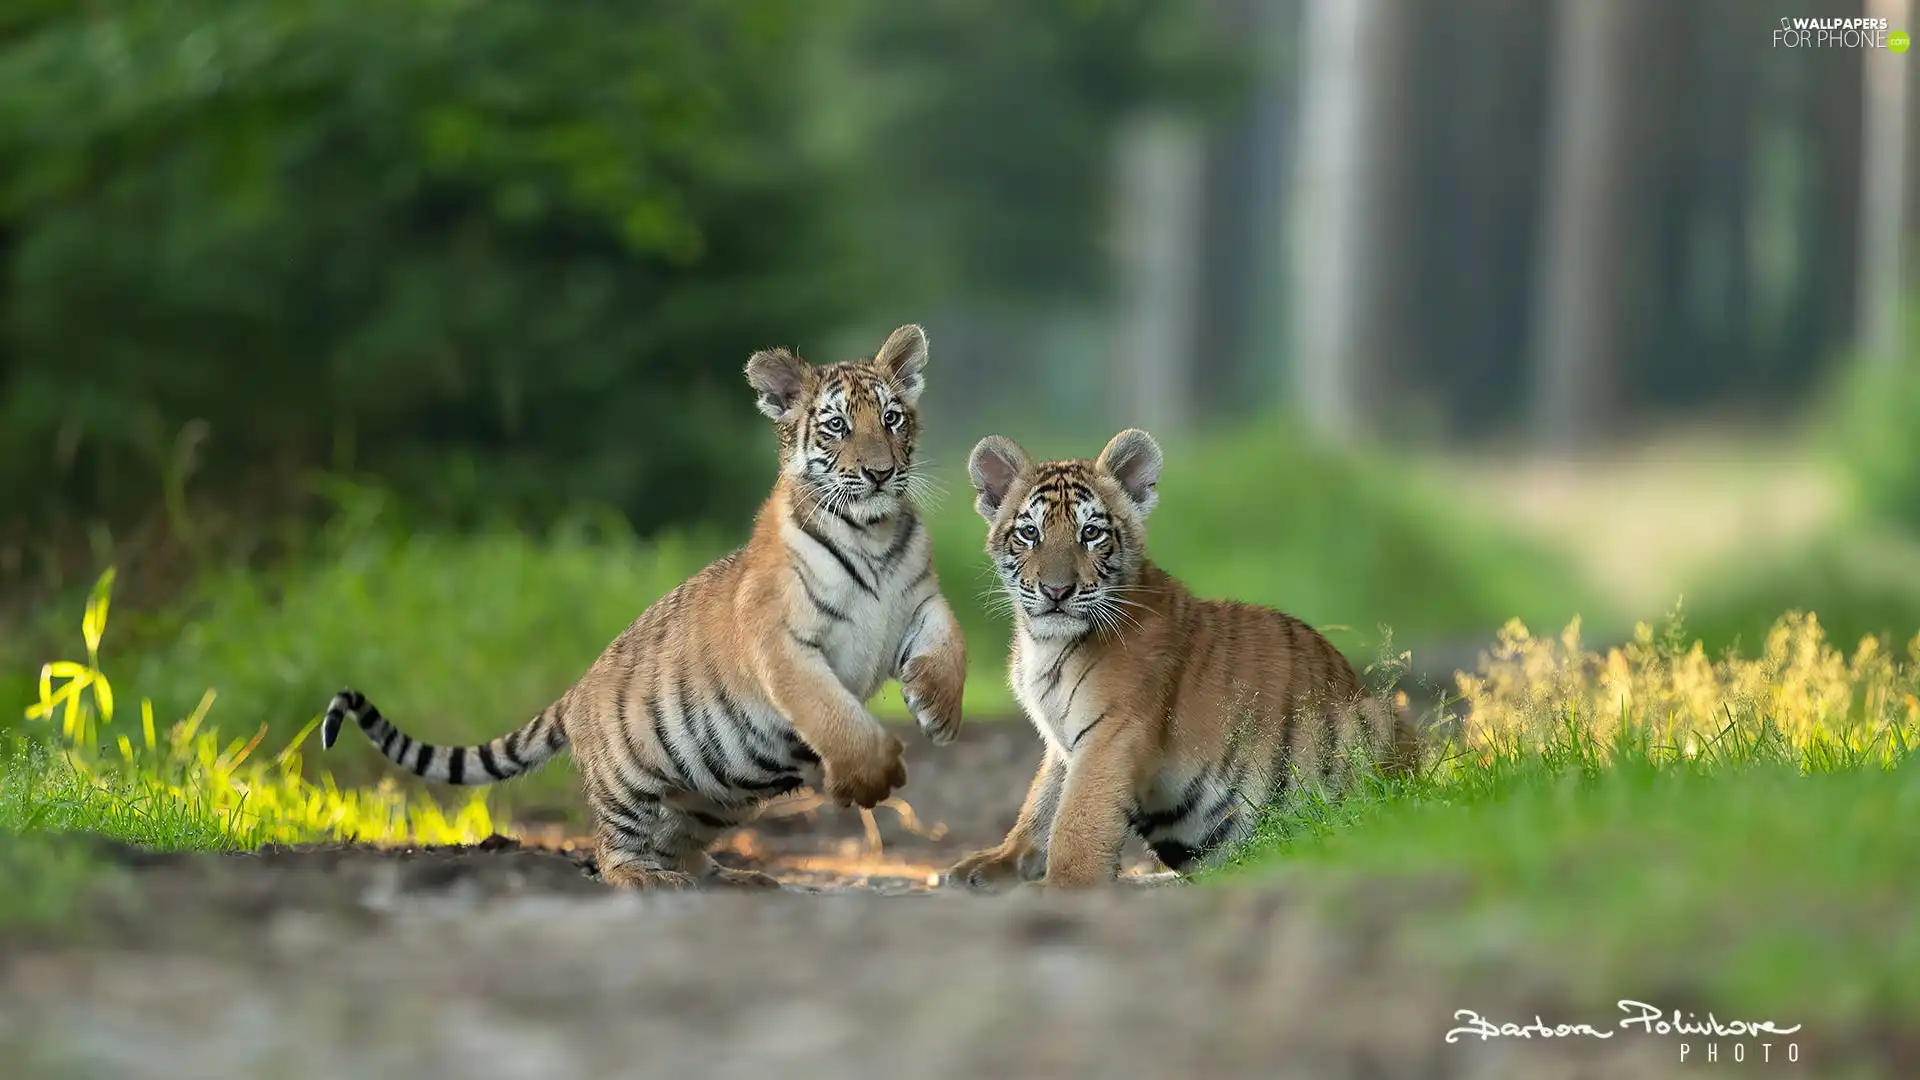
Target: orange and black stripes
[(749, 679), (1176, 718)]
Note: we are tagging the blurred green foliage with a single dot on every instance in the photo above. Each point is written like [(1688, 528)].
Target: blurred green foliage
[(1876, 428), (1860, 584), (463, 245), (507, 257)]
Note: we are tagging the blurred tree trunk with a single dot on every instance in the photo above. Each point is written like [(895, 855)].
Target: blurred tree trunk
[(1721, 138), (1242, 321), (1832, 125), (1478, 133), (1584, 314), (1695, 343), (1161, 159), (1349, 212), (1883, 189)]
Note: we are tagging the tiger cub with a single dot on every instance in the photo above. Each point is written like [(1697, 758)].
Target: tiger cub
[(1173, 717), (749, 679)]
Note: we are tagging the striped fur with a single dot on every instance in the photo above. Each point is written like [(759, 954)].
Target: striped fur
[(1171, 717), (749, 680), (525, 747)]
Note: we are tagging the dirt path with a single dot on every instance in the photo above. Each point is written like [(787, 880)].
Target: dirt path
[(506, 960)]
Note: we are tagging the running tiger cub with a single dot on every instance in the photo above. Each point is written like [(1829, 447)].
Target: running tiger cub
[(749, 679), (1173, 717)]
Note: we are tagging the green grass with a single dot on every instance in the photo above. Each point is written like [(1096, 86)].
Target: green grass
[(46, 795), (1652, 818), (1762, 891), (90, 762), (43, 790)]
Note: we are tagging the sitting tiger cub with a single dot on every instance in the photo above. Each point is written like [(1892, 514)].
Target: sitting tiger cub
[(749, 679), (1174, 717)]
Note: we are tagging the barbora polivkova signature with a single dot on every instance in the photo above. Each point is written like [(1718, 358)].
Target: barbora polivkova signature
[(1650, 1019)]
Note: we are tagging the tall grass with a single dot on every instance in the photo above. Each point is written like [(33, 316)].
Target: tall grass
[(1799, 701), (1546, 711)]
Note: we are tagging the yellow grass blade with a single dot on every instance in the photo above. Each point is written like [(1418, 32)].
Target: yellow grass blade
[(191, 725), (94, 625), (248, 749), (103, 696)]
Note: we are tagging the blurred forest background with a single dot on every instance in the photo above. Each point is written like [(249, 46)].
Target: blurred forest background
[(380, 341)]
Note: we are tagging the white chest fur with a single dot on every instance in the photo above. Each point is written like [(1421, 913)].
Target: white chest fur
[(1051, 678), (857, 591)]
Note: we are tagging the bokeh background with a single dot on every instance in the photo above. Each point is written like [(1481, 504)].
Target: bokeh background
[(399, 343)]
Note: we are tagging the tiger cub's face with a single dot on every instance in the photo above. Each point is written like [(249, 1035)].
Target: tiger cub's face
[(847, 431), (1068, 538)]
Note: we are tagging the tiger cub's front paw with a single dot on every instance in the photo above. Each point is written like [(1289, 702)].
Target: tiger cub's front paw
[(866, 779), (933, 697), (991, 868)]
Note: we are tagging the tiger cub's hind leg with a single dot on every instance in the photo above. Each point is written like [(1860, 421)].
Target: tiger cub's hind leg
[(642, 844), (629, 867), (645, 843)]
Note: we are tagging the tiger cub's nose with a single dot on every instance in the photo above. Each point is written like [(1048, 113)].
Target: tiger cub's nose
[(877, 477), (1057, 593)]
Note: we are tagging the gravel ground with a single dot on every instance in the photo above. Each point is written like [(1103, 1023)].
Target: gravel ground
[(507, 960)]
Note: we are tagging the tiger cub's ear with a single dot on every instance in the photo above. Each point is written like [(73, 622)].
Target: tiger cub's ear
[(905, 355), (1133, 459), (779, 377), (996, 463)]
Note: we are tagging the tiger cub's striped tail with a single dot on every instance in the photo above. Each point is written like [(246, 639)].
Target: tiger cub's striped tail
[(509, 755)]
